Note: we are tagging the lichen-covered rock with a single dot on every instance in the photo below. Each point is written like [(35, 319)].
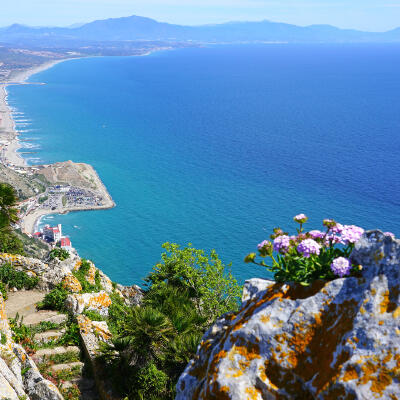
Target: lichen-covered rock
[(332, 340), (35, 385), (91, 274), (133, 295), (93, 333), (6, 390), (49, 274), (77, 303), (71, 283)]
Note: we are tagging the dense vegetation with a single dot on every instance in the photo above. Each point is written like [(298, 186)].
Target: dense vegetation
[(153, 342), (9, 242)]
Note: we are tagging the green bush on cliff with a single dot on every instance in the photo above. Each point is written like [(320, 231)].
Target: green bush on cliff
[(9, 243), (153, 343), (55, 299), (61, 254), (12, 278)]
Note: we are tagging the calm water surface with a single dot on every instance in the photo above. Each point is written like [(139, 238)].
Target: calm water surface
[(215, 146)]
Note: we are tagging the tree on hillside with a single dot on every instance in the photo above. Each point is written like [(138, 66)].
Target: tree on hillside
[(153, 342), (8, 202), (9, 243)]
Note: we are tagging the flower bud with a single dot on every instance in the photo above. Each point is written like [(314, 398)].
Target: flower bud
[(300, 218), (250, 258)]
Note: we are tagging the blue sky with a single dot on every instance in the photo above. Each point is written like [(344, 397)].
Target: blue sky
[(374, 15)]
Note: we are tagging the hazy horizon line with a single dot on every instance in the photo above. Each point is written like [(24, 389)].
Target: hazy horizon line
[(76, 25)]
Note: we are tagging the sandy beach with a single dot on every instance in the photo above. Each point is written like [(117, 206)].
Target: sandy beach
[(9, 143)]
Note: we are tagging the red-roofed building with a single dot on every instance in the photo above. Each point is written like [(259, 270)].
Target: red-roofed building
[(66, 244), (37, 234)]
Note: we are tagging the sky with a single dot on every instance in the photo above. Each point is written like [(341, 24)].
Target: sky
[(370, 15)]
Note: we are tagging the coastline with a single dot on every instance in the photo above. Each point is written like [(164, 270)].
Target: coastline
[(9, 141), (10, 144)]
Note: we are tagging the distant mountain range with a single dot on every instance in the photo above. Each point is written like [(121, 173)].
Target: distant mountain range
[(140, 28)]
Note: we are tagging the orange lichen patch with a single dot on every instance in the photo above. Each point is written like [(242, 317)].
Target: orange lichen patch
[(378, 256), (225, 389), (350, 374), (101, 331), (101, 300), (71, 283), (376, 372), (305, 345), (384, 303), (356, 339), (362, 310)]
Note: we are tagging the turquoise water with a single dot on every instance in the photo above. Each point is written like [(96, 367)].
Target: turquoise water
[(215, 146)]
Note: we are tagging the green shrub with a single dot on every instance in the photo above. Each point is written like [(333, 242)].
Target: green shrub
[(72, 336), (18, 279), (151, 383), (82, 274), (10, 243), (55, 299), (153, 343), (93, 315), (3, 290), (61, 254)]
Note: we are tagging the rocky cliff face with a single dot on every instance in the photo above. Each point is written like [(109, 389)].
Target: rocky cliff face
[(333, 340)]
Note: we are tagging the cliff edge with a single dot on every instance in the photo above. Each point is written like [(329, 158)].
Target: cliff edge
[(331, 340)]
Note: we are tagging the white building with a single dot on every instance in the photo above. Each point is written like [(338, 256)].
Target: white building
[(54, 234)]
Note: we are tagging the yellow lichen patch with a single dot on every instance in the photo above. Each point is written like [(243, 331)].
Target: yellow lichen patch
[(396, 313), (71, 283), (77, 265), (90, 277), (253, 393)]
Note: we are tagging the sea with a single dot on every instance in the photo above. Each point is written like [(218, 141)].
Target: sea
[(216, 146)]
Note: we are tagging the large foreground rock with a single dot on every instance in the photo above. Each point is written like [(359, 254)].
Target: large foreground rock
[(334, 340)]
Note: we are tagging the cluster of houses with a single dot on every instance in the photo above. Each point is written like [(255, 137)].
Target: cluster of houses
[(53, 235)]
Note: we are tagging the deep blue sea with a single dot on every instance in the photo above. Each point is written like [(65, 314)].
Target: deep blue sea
[(216, 146)]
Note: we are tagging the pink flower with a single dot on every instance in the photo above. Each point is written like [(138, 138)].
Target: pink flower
[(351, 233), (389, 234), (341, 266), (281, 243), (308, 247), (301, 218), (315, 234)]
